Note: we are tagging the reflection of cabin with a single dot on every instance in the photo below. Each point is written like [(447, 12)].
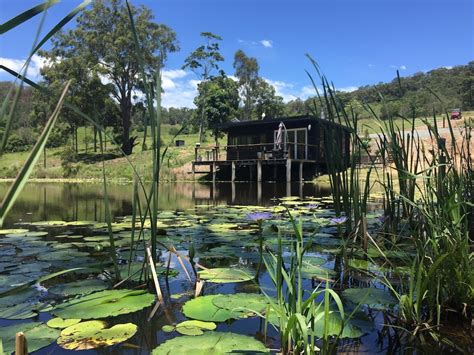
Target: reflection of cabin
[(260, 150)]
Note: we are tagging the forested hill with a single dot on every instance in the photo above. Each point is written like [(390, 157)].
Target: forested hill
[(421, 92)]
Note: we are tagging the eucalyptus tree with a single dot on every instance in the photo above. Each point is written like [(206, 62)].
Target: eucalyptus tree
[(203, 61), (246, 70), (104, 41)]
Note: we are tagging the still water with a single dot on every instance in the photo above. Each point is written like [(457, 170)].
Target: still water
[(85, 201)]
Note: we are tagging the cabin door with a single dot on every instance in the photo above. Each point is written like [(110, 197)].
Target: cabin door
[(296, 143)]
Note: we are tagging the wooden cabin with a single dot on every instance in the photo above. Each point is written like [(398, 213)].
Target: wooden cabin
[(275, 149)]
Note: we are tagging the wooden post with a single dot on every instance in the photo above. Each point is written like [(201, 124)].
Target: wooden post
[(232, 171), (301, 172), (288, 170), (214, 171), (259, 170), (259, 192), (21, 347), (233, 192), (194, 171)]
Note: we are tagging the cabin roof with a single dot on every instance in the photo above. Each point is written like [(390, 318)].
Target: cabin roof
[(295, 120)]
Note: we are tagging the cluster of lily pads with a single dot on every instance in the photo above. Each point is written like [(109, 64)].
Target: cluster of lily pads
[(226, 242)]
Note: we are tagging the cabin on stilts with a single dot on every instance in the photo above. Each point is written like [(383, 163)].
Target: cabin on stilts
[(275, 149)]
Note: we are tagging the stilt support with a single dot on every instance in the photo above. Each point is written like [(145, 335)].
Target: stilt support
[(288, 170)]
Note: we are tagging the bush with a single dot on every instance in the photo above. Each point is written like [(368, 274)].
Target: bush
[(68, 160), (17, 143)]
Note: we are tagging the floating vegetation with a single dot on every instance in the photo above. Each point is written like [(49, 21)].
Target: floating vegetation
[(94, 334), (38, 334), (226, 275), (211, 343), (190, 327), (108, 303)]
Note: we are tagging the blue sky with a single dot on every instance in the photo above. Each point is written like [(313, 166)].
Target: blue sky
[(356, 42)]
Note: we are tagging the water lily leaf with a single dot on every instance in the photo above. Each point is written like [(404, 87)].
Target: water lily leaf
[(242, 302), (60, 323), (194, 327), (48, 223), (203, 308), (81, 287), (373, 297), (13, 231), (104, 304), (39, 335), (168, 328), (211, 343), (19, 311), (94, 334), (225, 275)]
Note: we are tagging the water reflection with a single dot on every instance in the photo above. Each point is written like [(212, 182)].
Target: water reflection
[(85, 201)]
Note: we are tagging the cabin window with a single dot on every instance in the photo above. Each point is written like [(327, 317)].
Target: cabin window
[(295, 142)]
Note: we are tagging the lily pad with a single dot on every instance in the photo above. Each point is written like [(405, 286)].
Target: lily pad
[(94, 334), (39, 335), (194, 327), (81, 287), (60, 323), (372, 297), (203, 308), (211, 343), (226, 275), (12, 231), (108, 303), (242, 302)]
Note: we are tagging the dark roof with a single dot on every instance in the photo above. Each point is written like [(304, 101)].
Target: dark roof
[(272, 121)]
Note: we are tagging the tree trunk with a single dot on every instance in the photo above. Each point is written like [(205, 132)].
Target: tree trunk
[(95, 139), (127, 143)]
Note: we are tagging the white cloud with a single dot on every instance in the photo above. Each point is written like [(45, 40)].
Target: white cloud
[(266, 43), (17, 65), (448, 67), (399, 67), (348, 88)]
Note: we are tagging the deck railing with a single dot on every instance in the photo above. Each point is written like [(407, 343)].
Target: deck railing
[(264, 151)]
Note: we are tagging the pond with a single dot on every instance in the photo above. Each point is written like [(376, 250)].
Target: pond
[(59, 226)]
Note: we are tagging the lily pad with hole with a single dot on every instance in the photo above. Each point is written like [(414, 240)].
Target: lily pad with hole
[(203, 308), (226, 275), (373, 297), (108, 303), (94, 334), (211, 343), (37, 334), (60, 323)]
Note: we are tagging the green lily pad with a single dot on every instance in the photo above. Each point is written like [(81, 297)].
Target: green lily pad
[(194, 327), (372, 297), (242, 302), (19, 311), (12, 231), (60, 323), (211, 343), (94, 334), (81, 287), (168, 328), (104, 304), (203, 308), (37, 334), (226, 275)]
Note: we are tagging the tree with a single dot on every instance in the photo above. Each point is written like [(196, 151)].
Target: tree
[(266, 100), (104, 41), (296, 107), (218, 102), (246, 70), (203, 61)]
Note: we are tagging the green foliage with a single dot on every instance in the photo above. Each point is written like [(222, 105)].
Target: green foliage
[(246, 70), (103, 44), (217, 102)]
